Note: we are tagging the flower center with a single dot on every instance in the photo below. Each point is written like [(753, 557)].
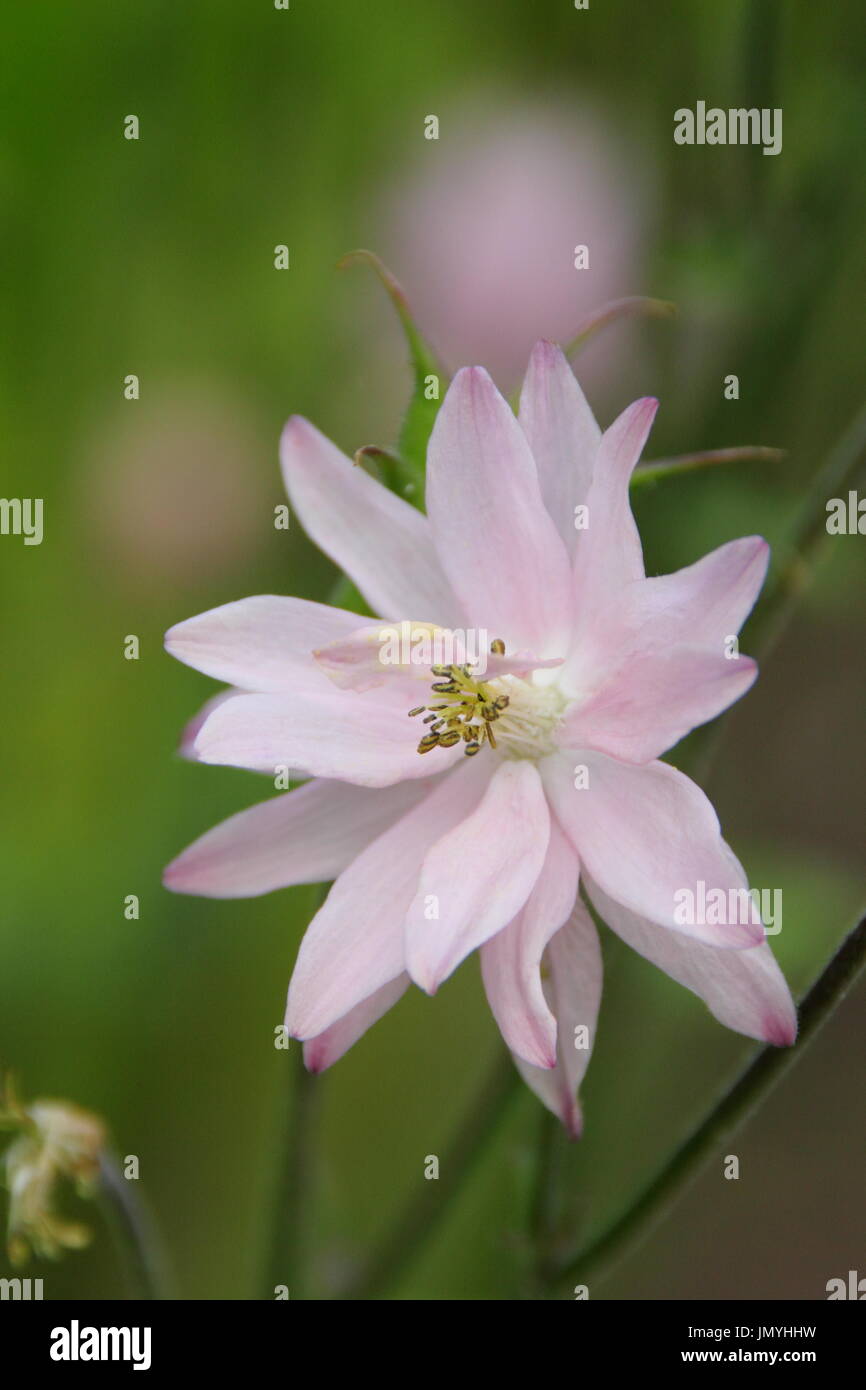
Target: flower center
[(526, 729), (469, 712), (509, 713)]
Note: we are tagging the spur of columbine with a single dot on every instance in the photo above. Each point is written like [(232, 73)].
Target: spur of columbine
[(537, 768)]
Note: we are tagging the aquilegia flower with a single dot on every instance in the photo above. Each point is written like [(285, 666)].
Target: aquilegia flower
[(459, 804)]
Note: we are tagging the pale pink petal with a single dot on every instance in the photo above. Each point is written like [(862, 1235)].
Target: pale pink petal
[(327, 1048), (702, 605), (745, 990), (573, 989), (381, 542), (186, 747), (259, 643), (646, 835), (497, 543), (608, 555), (388, 652), (477, 877), (320, 733), (562, 434), (654, 700), (355, 943), (511, 960), (309, 835)]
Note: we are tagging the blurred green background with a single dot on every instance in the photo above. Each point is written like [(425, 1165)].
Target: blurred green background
[(155, 257)]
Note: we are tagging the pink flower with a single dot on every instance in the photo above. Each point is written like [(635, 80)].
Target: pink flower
[(594, 672), (482, 230)]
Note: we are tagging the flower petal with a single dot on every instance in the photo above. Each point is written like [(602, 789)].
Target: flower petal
[(327, 1048), (186, 747), (320, 731), (654, 700), (309, 835), (259, 643), (745, 990), (477, 877), (608, 555), (382, 542), (497, 543), (562, 433), (574, 992), (702, 605), (647, 835), (354, 944), (511, 960)]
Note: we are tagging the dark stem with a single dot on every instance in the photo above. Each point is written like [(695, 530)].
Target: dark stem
[(139, 1248), (762, 1073)]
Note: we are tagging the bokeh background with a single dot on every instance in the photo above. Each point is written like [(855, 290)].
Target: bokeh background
[(155, 257)]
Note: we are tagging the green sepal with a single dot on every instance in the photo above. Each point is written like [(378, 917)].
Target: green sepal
[(407, 464)]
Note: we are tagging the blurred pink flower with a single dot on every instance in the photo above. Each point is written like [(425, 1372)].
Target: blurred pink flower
[(482, 232), (594, 671)]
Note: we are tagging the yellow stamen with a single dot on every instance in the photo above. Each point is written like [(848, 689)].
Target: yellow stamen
[(469, 715)]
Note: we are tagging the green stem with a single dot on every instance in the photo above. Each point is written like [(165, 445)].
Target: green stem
[(139, 1249), (752, 1087), (289, 1231), (545, 1207), (419, 1217), (654, 470), (612, 312)]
